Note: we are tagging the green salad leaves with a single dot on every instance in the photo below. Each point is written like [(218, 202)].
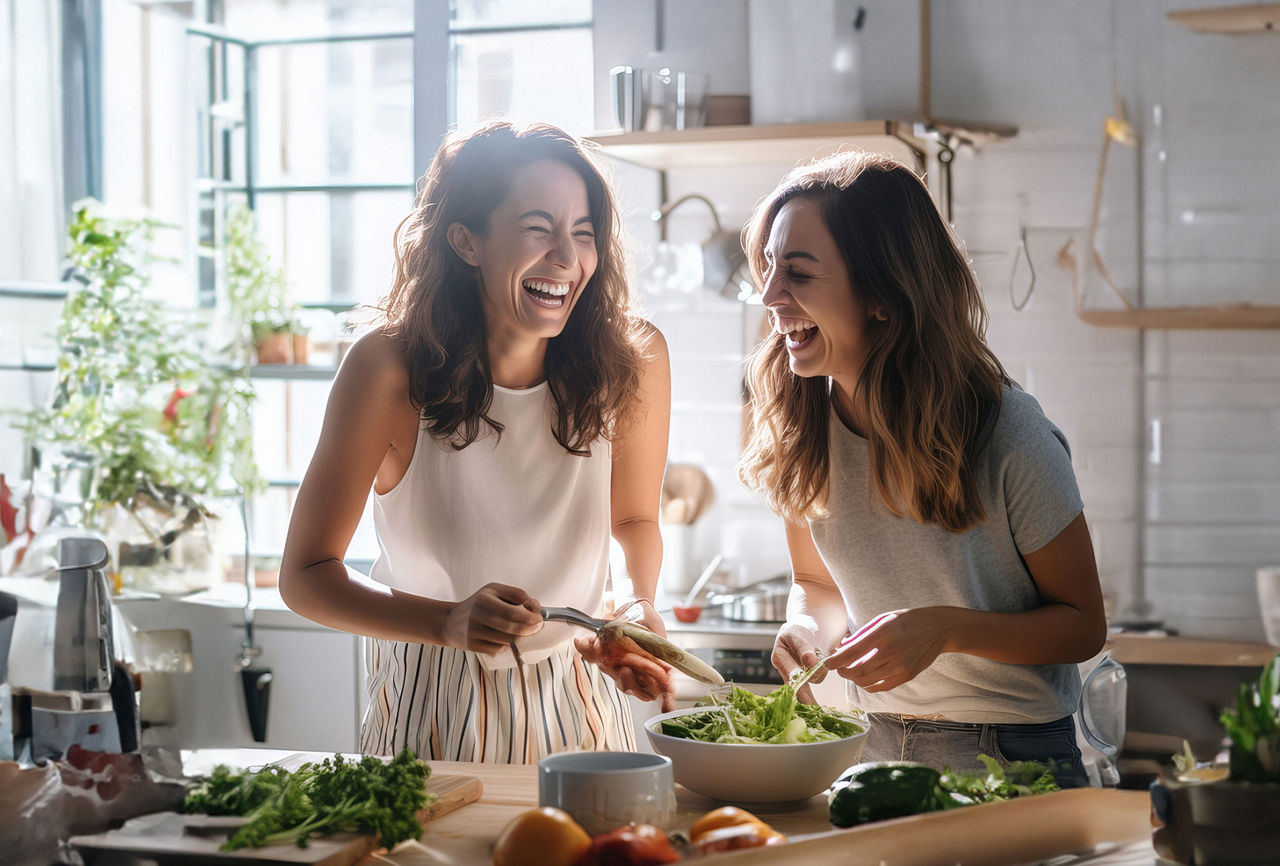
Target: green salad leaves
[(773, 718), (337, 794)]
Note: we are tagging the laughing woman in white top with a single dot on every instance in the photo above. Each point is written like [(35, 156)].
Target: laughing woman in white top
[(510, 415)]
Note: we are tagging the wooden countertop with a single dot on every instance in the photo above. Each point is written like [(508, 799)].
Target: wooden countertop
[(465, 837), (1160, 649)]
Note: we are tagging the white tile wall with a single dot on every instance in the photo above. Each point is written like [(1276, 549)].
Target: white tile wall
[(1186, 532)]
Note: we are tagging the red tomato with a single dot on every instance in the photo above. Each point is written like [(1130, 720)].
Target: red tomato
[(633, 845)]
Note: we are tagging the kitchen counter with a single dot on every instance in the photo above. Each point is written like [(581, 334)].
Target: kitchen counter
[(464, 837)]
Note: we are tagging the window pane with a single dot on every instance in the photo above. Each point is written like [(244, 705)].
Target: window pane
[(335, 111), (333, 247), (510, 13), (260, 19), (526, 77)]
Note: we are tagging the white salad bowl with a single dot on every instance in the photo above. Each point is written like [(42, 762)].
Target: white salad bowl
[(756, 773)]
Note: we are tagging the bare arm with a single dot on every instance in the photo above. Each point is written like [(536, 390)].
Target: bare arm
[(816, 616), (369, 433), (1067, 628), (639, 459)]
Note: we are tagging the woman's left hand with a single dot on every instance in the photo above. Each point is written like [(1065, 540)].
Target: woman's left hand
[(892, 649), (636, 674)]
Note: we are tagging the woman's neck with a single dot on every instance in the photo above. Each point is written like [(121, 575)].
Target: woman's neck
[(515, 363), (851, 410)]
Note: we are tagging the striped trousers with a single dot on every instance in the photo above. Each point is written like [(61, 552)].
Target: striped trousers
[(444, 705)]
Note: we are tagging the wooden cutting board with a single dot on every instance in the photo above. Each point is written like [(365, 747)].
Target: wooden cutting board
[(1025, 830), (188, 840)]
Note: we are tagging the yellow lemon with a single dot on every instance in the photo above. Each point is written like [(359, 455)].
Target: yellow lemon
[(540, 837)]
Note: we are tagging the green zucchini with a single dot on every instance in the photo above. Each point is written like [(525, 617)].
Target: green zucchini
[(880, 790)]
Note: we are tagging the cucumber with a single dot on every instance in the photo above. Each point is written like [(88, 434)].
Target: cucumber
[(880, 790)]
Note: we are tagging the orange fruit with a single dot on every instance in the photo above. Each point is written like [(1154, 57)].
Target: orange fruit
[(540, 837), (736, 837), (725, 816)]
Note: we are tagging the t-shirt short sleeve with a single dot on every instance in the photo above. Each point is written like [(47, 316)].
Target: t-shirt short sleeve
[(1040, 490)]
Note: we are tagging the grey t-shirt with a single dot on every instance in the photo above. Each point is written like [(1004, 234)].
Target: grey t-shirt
[(881, 563)]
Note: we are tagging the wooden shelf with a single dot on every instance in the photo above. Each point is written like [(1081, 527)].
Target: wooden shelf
[(1234, 316), (1254, 18), (759, 145)]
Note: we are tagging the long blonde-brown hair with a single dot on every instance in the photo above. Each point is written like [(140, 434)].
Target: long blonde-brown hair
[(930, 384), (434, 312)]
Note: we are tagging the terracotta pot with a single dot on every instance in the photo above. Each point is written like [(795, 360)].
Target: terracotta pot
[(273, 349), (301, 348)]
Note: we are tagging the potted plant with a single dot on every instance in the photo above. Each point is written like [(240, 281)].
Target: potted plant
[(161, 421), (1203, 816), (263, 316)]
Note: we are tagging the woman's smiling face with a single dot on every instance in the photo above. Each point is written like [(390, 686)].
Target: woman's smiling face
[(538, 253), (811, 300)]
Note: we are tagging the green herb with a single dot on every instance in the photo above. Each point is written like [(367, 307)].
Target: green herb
[(773, 718), (1254, 728), (140, 396), (335, 795), (1019, 779)]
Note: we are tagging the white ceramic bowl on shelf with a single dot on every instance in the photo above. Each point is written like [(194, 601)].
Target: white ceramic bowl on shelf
[(746, 773)]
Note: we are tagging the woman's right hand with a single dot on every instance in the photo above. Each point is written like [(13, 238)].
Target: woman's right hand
[(797, 648), (491, 618)]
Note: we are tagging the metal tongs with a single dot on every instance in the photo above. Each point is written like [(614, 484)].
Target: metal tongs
[(654, 644)]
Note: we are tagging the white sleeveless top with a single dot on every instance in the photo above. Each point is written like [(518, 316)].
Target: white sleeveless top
[(517, 509)]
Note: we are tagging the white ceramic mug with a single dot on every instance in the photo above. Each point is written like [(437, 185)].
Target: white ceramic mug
[(603, 791), (1269, 602)]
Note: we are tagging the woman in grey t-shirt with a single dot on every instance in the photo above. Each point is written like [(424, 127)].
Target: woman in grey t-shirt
[(936, 531)]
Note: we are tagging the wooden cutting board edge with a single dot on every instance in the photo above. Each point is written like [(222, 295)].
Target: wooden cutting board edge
[(452, 793), (1029, 829)]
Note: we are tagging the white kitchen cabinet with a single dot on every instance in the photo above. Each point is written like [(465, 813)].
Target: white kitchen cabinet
[(316, 679)]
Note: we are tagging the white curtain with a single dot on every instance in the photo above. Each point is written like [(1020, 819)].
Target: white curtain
[(31, 208)]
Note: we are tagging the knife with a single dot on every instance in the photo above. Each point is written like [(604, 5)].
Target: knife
[(655, 645)]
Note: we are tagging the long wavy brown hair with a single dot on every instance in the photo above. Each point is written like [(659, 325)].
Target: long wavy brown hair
[(434, 313), (930, 384)]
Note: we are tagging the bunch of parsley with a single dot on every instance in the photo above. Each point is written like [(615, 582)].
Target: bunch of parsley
[(335, 795)]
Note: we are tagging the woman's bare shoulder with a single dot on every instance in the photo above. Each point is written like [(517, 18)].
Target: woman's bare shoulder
[(652, 343), (375, 371)]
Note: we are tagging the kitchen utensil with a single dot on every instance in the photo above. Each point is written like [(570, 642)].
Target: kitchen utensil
[(765, 601), (711, 569), (687, 483), (754, 773), (630, 105), (168, 837), (678, 99), (8, 615), (807, 675), (607, 790), (659, 647)]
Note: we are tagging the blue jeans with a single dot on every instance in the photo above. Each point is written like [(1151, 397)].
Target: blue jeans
[(957, 745)]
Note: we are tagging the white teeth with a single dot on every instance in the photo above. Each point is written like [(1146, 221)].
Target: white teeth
[(790, 326), (557, 289)]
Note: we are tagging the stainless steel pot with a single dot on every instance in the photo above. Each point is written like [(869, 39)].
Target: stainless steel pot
[(765, 601)]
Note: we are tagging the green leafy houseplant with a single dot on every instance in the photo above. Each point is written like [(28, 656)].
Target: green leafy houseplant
[(163, 423), (257, 297), (1254, 728)]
